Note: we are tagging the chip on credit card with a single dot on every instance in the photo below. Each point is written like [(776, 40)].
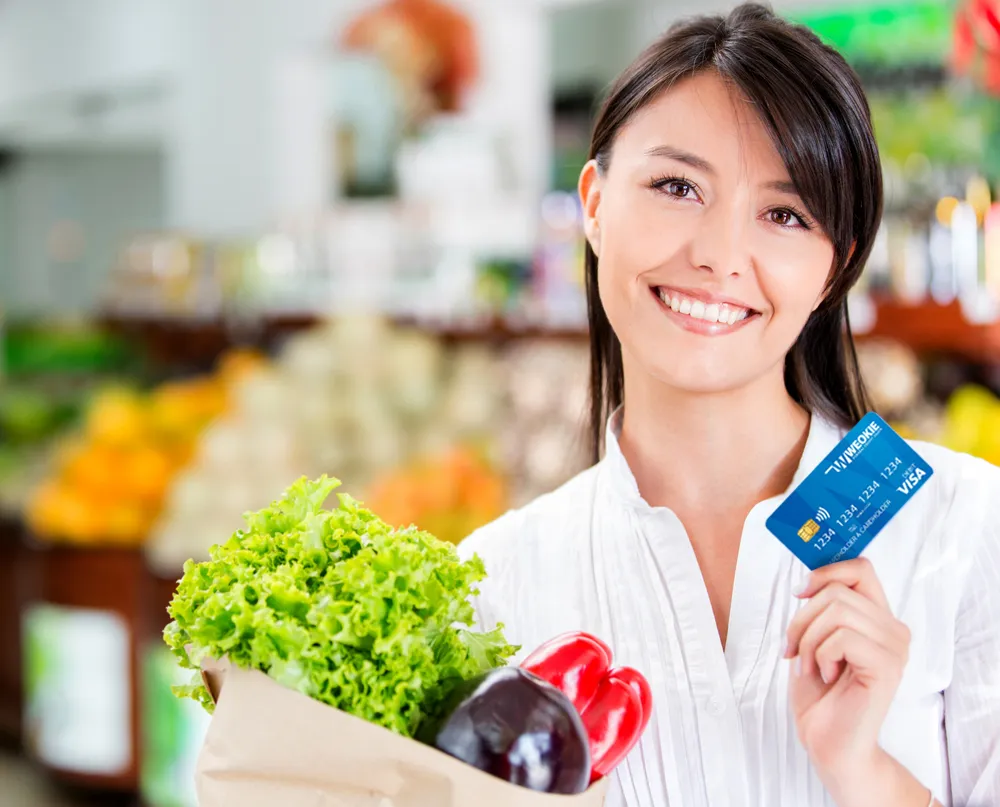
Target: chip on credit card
[(850, 496)]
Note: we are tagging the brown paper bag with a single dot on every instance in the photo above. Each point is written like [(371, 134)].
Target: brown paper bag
[(268, 746)]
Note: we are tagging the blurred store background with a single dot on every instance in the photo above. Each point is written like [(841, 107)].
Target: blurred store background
[(243, 240)]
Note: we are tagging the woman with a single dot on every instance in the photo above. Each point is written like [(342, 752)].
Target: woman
[(732, 198)]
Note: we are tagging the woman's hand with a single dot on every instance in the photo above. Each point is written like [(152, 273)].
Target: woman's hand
[(849, 654)]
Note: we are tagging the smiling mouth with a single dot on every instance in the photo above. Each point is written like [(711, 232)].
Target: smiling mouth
[(724, 314)]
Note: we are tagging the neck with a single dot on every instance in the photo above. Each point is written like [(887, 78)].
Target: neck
[(695, 451)]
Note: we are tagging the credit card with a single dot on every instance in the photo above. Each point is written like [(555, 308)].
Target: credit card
[(850, 496)]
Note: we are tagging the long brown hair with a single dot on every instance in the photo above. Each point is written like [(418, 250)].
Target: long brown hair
[(814, 106)]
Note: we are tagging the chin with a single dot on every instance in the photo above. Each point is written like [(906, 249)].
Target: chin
[(695, 374)]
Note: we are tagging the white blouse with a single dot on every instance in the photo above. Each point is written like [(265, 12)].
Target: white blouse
[(594, 556)]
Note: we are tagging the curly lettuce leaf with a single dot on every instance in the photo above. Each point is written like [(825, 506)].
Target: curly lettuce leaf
[(338, 605)]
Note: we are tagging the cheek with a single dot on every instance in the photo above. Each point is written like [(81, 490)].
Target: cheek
[(793, 280), (637, 235)]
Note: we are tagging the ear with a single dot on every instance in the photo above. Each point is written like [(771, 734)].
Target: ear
[(589, 188)]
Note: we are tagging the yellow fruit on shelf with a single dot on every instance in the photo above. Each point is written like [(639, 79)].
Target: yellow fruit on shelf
[(110, 480), (117, 417)]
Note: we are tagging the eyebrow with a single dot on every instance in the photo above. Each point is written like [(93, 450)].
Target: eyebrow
[(783, 186), (686, 157)]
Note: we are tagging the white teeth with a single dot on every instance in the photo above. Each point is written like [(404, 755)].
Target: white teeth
[(710, 312)]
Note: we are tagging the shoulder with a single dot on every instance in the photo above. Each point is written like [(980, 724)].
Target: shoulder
[(960, 480), (527, 554), (962, 501), (539, 527)]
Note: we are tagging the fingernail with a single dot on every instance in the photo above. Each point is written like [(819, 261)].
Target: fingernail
[(802, 588), (797, 666), (822, 674), (788, 650)]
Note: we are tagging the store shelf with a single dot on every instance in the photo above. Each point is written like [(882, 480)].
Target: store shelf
[(198, 343), (495, 329), (10, 631), (932, 328), (103, 588)]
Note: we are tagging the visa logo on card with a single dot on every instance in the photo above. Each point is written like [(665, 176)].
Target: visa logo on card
[(850, 496)]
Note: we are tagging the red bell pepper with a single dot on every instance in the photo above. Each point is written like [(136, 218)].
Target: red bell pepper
[(615, 703), (574, 663), (641, 688)]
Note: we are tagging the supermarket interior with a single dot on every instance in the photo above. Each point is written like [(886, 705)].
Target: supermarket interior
[(243, 241)]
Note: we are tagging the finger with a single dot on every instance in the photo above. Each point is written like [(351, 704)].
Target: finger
[(804, 689), (869, 661), (835, 616), (858, 574), (824, 597)]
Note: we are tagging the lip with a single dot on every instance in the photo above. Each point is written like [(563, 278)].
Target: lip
[(701, 326), (706, 297)]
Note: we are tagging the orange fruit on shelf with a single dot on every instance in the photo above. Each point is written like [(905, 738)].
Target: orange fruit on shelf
[(127, 524), (97, 472), (237, 364), (81, 519), (147, 472)]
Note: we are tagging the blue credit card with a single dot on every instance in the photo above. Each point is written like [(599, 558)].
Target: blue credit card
[(850, 496)]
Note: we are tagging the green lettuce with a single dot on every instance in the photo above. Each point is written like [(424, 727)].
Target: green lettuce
[(337, 605)]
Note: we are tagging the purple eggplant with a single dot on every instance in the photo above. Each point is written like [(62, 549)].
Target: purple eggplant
[(513, 725)]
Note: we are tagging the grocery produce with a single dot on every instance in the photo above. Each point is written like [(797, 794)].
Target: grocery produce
[(450, 495), (339, 606), (404, 418), (614, 723), (972, 422), (543, 432), (110, 477), (575, 663), (514, 725), (615, 703)]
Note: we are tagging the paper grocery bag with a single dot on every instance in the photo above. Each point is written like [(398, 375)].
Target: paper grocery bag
[(268, 746)]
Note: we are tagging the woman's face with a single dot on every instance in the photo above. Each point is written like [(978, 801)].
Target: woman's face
[(709, 263)]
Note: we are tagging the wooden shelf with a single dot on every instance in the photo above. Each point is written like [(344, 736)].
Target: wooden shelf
[(931, 328), (198, 343)]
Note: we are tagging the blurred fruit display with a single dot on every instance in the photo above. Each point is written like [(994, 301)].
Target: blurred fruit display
[(966, 420), (972, 423), (449, 495), (543, 435), (109, 477), (355, 398)]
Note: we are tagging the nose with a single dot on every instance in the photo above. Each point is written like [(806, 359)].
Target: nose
[(720, 241)]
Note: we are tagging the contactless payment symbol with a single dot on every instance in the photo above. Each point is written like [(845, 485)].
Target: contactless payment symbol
[(850, 496)]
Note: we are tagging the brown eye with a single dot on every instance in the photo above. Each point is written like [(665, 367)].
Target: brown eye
[(784, 218), (679, 188)]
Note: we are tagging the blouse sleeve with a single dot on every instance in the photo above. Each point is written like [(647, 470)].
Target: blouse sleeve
[(972, 701)]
